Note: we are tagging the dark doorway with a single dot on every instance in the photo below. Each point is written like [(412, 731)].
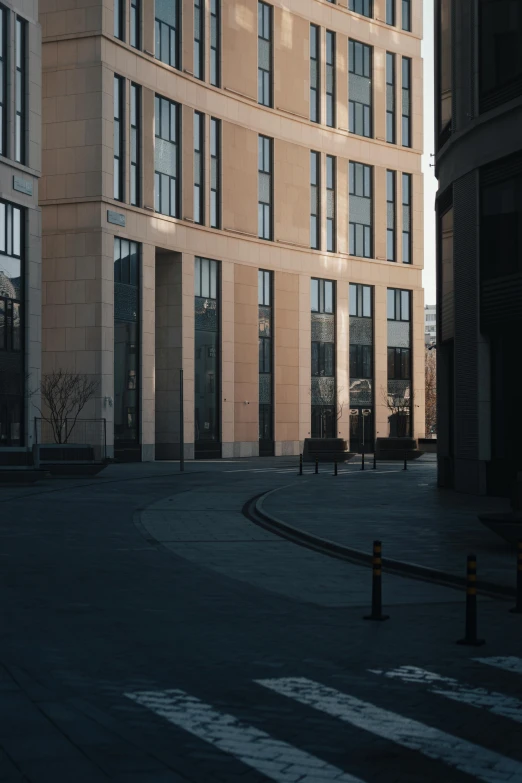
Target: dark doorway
[(356, 431)]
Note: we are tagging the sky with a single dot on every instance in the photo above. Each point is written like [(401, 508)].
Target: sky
[(430, 183)]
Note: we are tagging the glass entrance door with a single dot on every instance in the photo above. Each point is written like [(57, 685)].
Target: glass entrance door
[(356, 431)]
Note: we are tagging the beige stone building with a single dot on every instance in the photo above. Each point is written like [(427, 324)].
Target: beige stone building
[(233, 188), (20, 222)]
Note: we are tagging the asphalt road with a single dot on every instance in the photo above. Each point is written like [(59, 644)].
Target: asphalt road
[(149, 632)]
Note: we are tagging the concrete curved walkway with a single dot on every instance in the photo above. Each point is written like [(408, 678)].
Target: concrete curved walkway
[(418, 523)]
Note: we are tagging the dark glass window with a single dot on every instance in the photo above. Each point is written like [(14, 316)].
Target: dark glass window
[(265, 355), (264, 288), (363, 7), (390, 215), (399, 364), (361, 361), (406, 219), (20, 88), (215, 173), (199, 36), (4, 24), (126, 340), (444, 62), (135, 145), (406, 102), (264, 187), (330, 204), (500, 52), (199, 170), (11, 288), (135, 24), (264, 297), (406, 15), (119, 19), (390, 98), (315, 200), (390, 12), (206, 371), (330, 79), (398, 304), (167, 32), (315, 112), (119, 165), (501, 228), (361, 210), (360, 88), (360, 300), (166, 156), (321, 296), (264, 54), (215, 42), (323, 363), (205, 278)]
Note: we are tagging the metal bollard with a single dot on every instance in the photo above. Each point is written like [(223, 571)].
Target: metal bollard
[(300, 464), (317, 464), (335, 468), (374, 461), (517, 609), (377, 585), (405, 463), (470, 637), (362, 461)]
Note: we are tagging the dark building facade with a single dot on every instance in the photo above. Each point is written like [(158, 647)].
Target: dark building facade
[(478, 142)]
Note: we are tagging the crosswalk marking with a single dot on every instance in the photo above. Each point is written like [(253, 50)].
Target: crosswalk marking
[(509, 663), (274, 758), (496, 703), (474, 760)]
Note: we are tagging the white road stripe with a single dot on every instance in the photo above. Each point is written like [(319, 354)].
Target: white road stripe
[(474, 760), (277, 760), (509, 663), (497, 703)]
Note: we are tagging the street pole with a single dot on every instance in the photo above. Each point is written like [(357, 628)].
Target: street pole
[(181, 423), (362, 467)]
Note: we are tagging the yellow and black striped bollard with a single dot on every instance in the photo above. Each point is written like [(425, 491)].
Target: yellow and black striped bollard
[(517, 609), (471, 604), (377, 584)]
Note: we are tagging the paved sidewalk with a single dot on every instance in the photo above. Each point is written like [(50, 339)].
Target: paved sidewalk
[(416, 522)]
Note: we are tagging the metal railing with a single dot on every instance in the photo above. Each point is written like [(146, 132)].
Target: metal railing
[(90, 432)]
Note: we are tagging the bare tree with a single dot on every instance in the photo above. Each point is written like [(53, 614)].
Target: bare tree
[(327, 406), (430, 368), (64, 396), (400, 402)]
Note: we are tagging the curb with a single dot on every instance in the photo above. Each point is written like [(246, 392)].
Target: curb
[(254, 511)]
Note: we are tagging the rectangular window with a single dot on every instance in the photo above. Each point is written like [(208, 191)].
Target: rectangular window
[(406, 219), (399, 364), (361, 361), (321, 296), (166, 157), (330, 79), (315, 200), (4, 20), (119, 97), (135, 145), (126, 340), (323, 362), (361, 210), (264, 54), (199, 35), (406, 15), (264, 187), (398, 305), (315, 112), (215, 173), (264, 290), (205, 278), (390, 98), (390, 12), (215, 42), (363, 7), (360, 88), (360, 300), (264, 295), (390, 215), (11, 279), (500, 53), (199, 169), (20, 87), (119, 19), (135, 24), (167, 32), (331, 204), (445, 62), (406, 102)]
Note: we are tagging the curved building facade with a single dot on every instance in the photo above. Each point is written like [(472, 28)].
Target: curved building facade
[(479, 266), (233, 189)]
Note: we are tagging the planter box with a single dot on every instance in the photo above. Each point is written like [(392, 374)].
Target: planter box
[(428, 445), (397, 448), (67, 459), (15, 456), (326, 450)]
